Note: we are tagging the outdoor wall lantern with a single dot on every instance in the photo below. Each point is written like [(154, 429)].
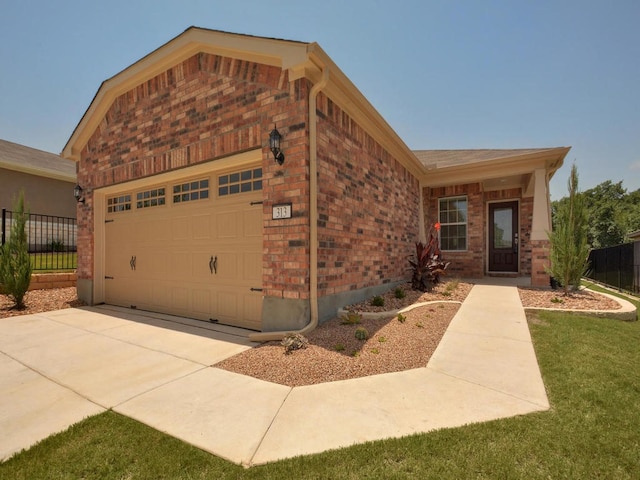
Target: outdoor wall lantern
[(274, 144), (78, 193)]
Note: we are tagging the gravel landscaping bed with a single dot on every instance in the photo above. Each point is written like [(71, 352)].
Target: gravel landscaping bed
[(334, 353), (38, 301)]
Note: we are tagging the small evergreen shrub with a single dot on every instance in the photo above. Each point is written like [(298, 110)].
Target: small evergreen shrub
[(361, 333), (399, 293), (377, 301), (402, 318)]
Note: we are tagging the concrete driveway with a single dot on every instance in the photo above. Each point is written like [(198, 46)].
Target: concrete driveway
[(62, 366)]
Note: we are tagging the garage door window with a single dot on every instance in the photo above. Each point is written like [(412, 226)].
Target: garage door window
[(121, 203), (190, 191), (150, 198), (240, 182)]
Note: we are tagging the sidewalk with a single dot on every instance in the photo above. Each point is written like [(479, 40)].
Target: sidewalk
[(60, 367)]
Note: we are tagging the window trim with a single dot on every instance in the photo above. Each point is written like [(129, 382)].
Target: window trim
[(465, 223)]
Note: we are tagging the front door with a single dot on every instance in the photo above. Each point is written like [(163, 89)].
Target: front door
[(503, 237)]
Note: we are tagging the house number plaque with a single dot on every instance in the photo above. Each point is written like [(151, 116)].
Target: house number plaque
[(281, 211)]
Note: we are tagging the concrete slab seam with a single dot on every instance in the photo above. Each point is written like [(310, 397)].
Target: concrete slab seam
[(544, 407), (266, 431)]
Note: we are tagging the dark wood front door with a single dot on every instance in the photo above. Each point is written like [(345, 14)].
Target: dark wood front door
[(503, 237)]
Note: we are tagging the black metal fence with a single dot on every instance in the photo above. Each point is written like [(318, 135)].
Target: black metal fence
[(52, 240), (618, 266)]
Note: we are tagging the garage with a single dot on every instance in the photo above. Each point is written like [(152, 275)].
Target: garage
[(191, 246)]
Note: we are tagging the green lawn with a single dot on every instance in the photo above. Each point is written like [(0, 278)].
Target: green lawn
[(590, 368), (53, 261)]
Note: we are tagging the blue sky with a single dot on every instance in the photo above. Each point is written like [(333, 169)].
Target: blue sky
[(444, 74)]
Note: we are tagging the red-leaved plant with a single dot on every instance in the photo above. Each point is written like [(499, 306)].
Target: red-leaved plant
[(428, 264)]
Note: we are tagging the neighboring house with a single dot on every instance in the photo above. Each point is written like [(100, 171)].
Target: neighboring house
[(47, 180), (187, 212)]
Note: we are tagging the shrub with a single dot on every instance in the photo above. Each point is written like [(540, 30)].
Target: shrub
[(294, 341), (351, 318), (15, 264), (402, 318), (361, 333), (399, 293), (377, 301), (427, 265), (339, 347), (55, 246), (569, 248)]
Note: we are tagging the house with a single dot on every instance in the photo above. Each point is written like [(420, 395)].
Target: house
[(47, 180), (189, 211)]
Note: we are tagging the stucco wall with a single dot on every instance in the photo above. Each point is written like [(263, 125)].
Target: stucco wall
[(43, 195)]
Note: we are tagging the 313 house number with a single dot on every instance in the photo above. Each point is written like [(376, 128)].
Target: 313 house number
[(281, 211)]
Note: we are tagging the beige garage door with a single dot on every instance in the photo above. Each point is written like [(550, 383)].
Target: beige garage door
[(191, 248)]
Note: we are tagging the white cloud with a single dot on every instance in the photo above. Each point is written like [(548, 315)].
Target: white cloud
[(634, 165)]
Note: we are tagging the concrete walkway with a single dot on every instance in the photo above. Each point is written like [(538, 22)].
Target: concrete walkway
[(60, 367)]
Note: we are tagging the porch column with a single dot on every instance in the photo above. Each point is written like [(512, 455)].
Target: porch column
[(540, 225)]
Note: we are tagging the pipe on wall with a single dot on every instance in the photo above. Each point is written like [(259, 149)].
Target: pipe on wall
[(313, 219)]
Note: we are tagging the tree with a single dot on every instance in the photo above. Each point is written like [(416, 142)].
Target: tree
[(612, 213), (15, 263), (569, 248)]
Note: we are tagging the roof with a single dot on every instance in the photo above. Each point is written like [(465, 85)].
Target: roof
[(29, 160), (433, 159), (496, 168)]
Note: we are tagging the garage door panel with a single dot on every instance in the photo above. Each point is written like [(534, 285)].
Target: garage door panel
[(252, 222), (202, 228), (180, 228), (174, 245)]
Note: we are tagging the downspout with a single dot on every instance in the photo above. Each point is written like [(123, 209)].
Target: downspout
[(313, 219)]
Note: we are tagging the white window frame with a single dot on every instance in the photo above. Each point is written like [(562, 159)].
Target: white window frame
[(443, 224)]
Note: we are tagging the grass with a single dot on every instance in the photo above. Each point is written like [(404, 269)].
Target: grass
[(590, 370), (54, 262)]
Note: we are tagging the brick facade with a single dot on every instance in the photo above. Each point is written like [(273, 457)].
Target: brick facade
[(367, 205), (209, 107), (472, 263), (205, 108)]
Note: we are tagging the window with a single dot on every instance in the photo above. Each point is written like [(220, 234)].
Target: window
[(121, 203), (453, 223), (189, 191), (240, 182), (150, 198)]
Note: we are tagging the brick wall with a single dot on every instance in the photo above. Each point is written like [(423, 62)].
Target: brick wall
[(205, 108), (472, 262), (469, 263), (367, 206)]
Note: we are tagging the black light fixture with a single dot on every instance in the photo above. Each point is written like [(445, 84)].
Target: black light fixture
[(274, 145), (78, 193)]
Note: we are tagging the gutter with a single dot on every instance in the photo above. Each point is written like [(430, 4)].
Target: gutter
[(313, 219)]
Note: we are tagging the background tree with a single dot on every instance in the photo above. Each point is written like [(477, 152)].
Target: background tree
[(15, 263), (569, 247), (612, 213)]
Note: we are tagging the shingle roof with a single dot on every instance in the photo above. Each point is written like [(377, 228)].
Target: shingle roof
[(25, 159), (451, 158)]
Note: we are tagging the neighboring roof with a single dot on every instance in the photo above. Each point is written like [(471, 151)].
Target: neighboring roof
[(301, 59), (36, 162), (634, 235)]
